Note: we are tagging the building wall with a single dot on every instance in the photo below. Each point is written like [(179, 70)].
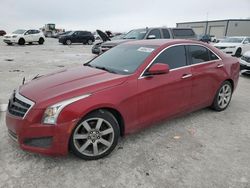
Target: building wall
[(238, 28), (219, 28)]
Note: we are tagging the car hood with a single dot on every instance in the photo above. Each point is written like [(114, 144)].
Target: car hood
[(103, 35), (247, 54), (68, 83), (220, 44), (116, 42), (12, 34)]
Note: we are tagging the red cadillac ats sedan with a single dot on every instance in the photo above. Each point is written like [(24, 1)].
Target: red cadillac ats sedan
[(87, 108)]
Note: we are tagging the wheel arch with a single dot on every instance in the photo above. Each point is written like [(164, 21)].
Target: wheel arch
[(118, 116), (231, 82)]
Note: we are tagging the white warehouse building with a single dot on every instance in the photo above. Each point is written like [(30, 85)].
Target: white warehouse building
[(219, 28)]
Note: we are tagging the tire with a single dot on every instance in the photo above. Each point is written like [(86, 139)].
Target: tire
[(95, 136), (238, 52), (9, 43), (41, 41), (90, 42), (223, 97), (68, 42), (21, 41)]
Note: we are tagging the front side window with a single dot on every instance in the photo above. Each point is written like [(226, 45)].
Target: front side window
[(198, 54), (174, 56), (156, 33)]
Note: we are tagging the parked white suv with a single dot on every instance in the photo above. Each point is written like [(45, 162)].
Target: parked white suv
[(235, 46), (24, 36)]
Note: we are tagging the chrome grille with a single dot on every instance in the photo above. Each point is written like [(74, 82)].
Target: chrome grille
[(19, 105), (221, 47)]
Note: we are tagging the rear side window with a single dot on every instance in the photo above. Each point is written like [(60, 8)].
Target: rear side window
[(198, 54), (183, 32), (174, 56), (156, 33), (166, 34)]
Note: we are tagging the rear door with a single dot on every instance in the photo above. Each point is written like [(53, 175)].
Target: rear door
[(161, 96), (207, 70)]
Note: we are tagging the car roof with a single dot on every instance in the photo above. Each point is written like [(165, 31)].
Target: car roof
[(161, 42)]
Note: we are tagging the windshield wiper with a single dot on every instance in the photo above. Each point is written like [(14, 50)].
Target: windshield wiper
[(129, 38), (105, 69)]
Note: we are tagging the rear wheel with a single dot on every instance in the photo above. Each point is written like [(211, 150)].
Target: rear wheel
[(41, 41), (90, 42), (95, 136), (9, 43), (223, 97), (21, 41)]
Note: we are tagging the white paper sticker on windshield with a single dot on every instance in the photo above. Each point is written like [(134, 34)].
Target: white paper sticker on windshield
[(144, 49)]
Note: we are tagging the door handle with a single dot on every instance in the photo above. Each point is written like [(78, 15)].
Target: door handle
[(220, 65), (184, 76)]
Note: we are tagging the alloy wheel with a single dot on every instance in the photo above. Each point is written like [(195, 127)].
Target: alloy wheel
[(224, 96), (93, 136)]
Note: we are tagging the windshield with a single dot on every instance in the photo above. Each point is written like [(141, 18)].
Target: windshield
[(122, 59), (233, 40), (19, 31), (136, 34)]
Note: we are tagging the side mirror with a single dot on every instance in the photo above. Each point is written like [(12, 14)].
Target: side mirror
[(151, 37), (245, 42), (158, 68)]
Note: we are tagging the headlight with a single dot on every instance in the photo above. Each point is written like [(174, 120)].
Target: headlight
[(14, 36), (52, 112), (231, 46)]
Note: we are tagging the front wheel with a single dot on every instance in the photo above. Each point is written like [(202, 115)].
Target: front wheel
[(223, 97), (95, 136), (41, 41), (68, 42), (21, 41)]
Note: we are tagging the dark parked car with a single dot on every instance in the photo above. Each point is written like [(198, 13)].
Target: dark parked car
[(151, 33), (84, 37), (2, 33)]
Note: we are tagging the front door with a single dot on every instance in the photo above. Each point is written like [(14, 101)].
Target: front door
[(162, 96)]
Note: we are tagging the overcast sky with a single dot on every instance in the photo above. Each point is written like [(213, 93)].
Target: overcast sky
[(115, 15)]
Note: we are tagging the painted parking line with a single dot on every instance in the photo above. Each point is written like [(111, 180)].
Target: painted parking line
[(3, 107)]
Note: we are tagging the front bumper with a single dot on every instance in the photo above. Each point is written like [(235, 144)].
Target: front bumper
[(10, 40), (37, 137), (244, 65), (61, 40), (230, 51)]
